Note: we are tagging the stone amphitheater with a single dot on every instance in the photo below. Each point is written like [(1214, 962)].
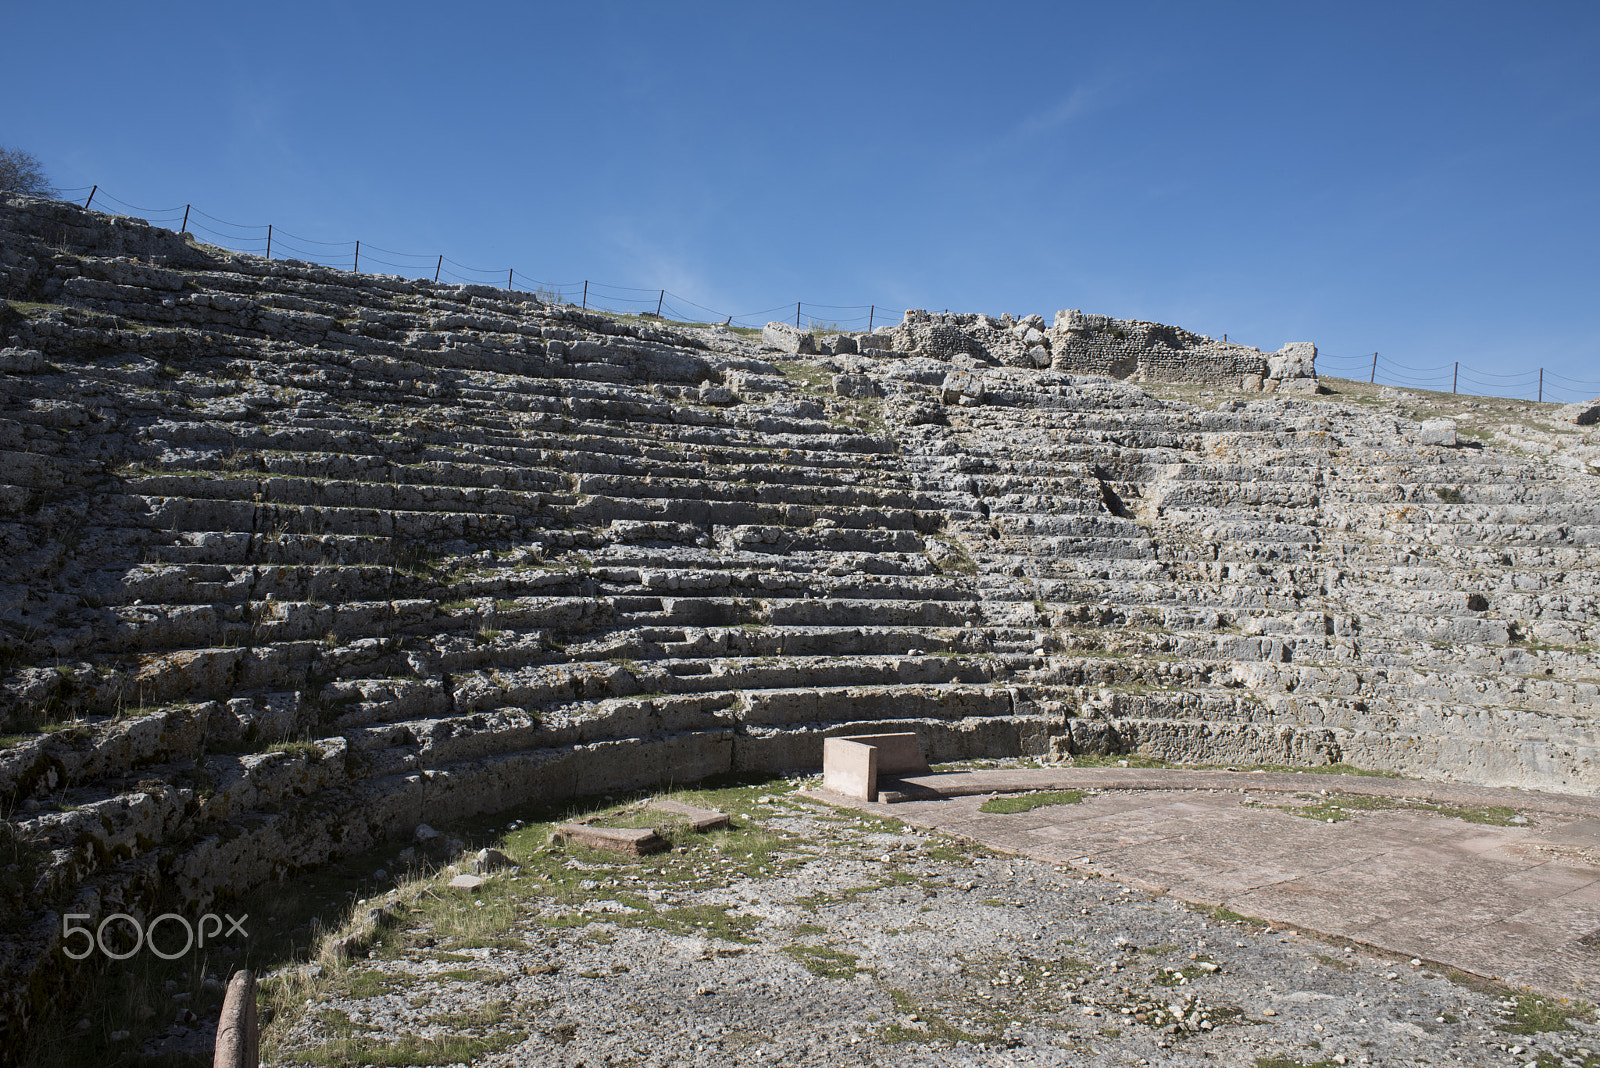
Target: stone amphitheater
[(296, 559)]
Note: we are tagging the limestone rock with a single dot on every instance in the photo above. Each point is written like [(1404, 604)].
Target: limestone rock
[(963, 388), (491, 860), (1585, 413), (786, 338), (859, 386), (21, 361), (1298, 359), (1437, 432)]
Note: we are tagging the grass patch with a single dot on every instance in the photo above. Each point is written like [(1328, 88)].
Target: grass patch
[(1168, 977), (710, 920), (1533, 1014), (1029, 802), (957, 561), (361, 1048), (1324, 769), (1493, 815), (372, 983), (1223, 914), (1341, 807), (823, 961), (32, 309), (303, 750), (956, 850), (488, 1016), (1120, 760), (938, 1029), (809, 375)]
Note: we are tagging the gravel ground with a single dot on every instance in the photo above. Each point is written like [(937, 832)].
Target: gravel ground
[(807, 935)]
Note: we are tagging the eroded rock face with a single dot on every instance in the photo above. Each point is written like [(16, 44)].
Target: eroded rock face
[(292, 560), (1584, 413)]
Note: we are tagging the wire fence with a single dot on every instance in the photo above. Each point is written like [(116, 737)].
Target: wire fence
[(271, 242), (1535, 384), (263, 239)]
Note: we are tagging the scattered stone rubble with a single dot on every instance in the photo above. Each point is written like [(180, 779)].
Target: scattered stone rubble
[(294, 559)]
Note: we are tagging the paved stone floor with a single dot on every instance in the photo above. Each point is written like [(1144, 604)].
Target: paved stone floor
[(1508, 902)]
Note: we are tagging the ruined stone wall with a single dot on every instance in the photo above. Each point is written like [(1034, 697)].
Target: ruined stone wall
[(1118, 348)]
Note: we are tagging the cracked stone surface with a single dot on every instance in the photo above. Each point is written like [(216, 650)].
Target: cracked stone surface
[(1511, 891)]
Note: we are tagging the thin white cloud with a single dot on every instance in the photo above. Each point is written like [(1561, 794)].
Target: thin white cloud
[(1093, 94), (1081, 101)]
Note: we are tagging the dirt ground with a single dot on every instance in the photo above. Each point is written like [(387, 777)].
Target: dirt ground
[(807, 934)]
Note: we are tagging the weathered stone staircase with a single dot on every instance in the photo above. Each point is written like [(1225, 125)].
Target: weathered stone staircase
[(295, 559)]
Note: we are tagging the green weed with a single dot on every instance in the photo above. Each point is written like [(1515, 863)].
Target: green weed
[(1029, 802), (823, 961), (1533, 1014)]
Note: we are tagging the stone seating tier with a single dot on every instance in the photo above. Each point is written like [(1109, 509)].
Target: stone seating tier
[(291, 555)]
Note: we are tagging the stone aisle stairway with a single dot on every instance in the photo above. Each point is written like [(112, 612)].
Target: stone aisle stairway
[(1287, 581)]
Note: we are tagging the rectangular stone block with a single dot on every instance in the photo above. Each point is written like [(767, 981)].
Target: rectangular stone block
[(700, 819), (851, 765), (850, 768), (786, 338), (898, 754), (635, 840)]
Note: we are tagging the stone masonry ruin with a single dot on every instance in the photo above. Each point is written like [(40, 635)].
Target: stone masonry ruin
[(294, 559), (1100, 345)]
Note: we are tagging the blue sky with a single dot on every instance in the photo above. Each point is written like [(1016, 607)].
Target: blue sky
[(1415, 178)]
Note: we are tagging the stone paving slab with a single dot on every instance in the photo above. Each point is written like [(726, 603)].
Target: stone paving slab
[(700, 819), (1505, 902)]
